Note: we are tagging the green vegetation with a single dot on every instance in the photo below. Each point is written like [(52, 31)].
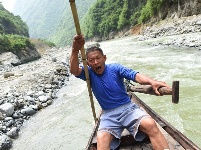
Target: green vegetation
[(14, 43), (151, 8), (113, 15), (42, 45), (48, 43), (13, 32), (54, 22), (10, 24), (51, 20)]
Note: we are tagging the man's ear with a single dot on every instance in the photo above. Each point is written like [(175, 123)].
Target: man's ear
[(105, 57)]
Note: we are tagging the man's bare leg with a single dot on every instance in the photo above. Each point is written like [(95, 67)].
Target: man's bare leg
[(158, 141), (103, 140)]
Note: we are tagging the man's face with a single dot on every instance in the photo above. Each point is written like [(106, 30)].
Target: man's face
[(96, 61)]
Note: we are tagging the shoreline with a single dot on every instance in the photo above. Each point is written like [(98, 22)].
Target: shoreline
[(169, 28), (29, 88)]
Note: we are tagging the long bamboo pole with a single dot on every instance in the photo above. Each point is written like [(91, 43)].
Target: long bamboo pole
[(78, 30)]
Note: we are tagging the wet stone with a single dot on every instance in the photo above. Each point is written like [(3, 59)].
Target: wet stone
[(13, 133), (42, 98), (28, 111), (7, 108)]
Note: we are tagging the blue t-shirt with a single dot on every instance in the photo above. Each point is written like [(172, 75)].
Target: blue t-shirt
[(108, 87)]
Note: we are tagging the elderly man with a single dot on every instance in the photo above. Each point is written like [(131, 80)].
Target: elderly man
[(118, 110)]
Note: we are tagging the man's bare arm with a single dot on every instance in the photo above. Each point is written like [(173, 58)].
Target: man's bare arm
[(78, 42), (145, 80)]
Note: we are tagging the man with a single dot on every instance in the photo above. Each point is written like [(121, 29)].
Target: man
[(118, 111)]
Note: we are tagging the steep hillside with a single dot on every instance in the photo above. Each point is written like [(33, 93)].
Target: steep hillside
[(50, 19), (108, 18), (10, 24), (14, 40), (177, 9)]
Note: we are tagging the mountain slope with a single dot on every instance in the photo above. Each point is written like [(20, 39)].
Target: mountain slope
[(52, 20), (107, 18), (10, 24), (49, 19)]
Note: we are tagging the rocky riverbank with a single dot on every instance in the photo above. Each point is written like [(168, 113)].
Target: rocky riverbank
[(171, 27), (28, 88)]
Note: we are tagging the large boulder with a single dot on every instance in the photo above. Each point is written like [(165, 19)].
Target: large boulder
[(8, 58), (7, 108)]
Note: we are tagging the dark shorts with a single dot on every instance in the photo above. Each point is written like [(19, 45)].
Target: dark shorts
[(116, 120)]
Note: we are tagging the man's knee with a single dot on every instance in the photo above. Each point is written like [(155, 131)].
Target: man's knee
[(148, 125), (104, 138), (101, 135)]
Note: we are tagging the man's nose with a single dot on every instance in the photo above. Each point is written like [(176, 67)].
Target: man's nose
[(96, 61)]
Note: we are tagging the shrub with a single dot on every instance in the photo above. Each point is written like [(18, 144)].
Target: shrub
[(13, 43), (150, 9)]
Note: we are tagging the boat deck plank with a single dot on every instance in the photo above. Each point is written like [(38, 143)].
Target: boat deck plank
[(172, 143)]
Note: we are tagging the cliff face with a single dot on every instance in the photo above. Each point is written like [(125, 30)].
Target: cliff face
[(189, 7), (179, 8), (176, 16), (23, 56)]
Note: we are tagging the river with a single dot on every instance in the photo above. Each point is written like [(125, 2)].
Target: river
[(68, 122)]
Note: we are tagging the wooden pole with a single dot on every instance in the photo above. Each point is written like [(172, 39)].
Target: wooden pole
[(78, 30)]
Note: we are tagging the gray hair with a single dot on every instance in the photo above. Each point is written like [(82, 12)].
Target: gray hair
[(94, 48)]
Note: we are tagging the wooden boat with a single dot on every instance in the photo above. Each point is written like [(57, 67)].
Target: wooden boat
[(176, 140)]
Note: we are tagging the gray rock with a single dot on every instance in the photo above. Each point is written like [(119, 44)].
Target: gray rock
[(43, 98), (16, 94), (8, 58), (1, 101), (44, 104), (198, 22), (28, 111), (54, 59), (28, 98), (35, 107), (8, 118), (39, 105), (1, 116), (13, 133), (9, 123), (30, 93), (5, 142), (48, 86), (49, 102), (40, 93), (7, 108), (8, 74), (16, 115)]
